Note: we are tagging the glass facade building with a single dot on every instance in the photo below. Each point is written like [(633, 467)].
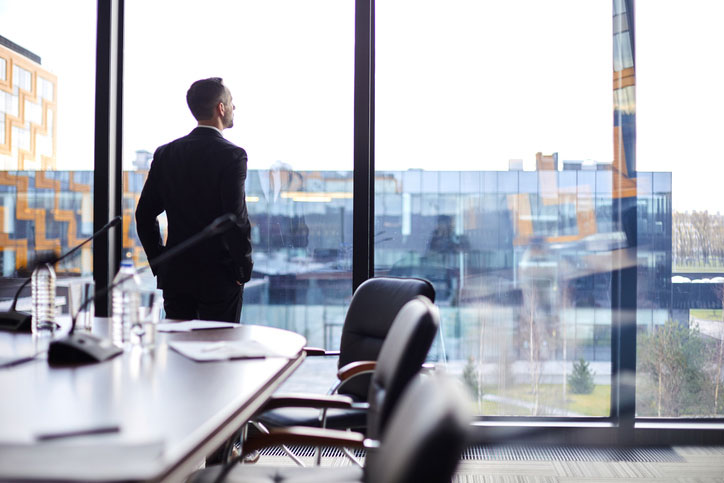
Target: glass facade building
[(520, 260)]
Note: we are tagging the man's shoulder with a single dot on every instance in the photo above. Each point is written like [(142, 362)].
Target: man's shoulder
[(234, 151), (176, 141), (208, 141), (230, 144)]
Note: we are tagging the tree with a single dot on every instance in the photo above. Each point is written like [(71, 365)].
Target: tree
[(473, 381), (581, 378), (672, 357), (470, 377), (717, 355), (698, 239), (702, 225)]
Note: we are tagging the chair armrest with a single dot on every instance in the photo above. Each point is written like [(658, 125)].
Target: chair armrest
[(317, 401), (296, 435), (355, 368), (318, 351)]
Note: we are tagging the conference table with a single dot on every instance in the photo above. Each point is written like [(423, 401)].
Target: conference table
[(141, 416)]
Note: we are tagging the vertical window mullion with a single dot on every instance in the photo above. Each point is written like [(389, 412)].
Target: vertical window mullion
[(107, 156), (624, 204), (363, 202)]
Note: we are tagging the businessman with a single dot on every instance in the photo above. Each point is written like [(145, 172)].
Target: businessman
[(195, 179)]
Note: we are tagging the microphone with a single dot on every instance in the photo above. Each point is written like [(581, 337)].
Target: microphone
[(15, 321), (84, 348)]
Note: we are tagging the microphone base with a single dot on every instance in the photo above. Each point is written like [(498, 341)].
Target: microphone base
[(81, 348), (15, 321)]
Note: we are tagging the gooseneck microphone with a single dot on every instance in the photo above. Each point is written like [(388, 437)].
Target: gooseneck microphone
[(16, 321), (84, 348)]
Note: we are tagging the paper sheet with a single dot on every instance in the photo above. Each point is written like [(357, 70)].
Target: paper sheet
[(203, 351), (189, 325)]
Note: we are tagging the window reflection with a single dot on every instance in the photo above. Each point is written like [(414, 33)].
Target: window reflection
[(523, 278), (522, 258)]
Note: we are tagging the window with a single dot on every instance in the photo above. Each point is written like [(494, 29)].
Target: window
[(47, 72), (679, 351), (500, 148), (289, 66)]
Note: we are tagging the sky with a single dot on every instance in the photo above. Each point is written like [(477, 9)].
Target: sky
[(465, 87)]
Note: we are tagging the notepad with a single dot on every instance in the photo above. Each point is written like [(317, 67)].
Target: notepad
[(204, 351), (189, 325)]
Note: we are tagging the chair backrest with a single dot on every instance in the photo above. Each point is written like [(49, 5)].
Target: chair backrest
[(374, 306), (401, 357), (426, 434)]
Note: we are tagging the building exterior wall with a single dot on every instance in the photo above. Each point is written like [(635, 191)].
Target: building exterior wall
[(28, 129), (28, 113)]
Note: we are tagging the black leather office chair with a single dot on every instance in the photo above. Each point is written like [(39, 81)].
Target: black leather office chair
[(424, 439), (400, 359), (373, 308)]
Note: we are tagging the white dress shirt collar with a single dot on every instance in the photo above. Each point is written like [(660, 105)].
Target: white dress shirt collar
[(211, 127)]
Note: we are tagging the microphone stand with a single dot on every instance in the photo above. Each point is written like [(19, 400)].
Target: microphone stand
[(83, 348), (16, 321)]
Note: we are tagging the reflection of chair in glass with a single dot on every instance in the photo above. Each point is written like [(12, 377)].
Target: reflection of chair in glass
[(423, 441), (432, 268), (443, 238), (373, 308)]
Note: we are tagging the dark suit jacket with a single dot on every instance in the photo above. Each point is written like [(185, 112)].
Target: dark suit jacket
[(196, 179)]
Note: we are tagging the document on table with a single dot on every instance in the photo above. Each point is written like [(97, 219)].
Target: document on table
[(204, 351), (189, 325)]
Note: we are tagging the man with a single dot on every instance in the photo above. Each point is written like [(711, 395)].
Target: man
[(196, 179)]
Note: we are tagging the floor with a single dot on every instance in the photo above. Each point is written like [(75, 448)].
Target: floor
[(681, 464), (686, 465)]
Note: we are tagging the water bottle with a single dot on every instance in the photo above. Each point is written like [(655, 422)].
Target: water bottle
[(126, 299), (43, 298)]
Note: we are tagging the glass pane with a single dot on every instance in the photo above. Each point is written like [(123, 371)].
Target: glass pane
[(507, 106), (47, 72), (680, 339), (289, 67)]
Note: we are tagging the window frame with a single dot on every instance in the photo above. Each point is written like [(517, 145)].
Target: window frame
[(621, 427)]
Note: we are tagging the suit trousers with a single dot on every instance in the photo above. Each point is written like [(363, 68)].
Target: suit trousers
[(224, 306)]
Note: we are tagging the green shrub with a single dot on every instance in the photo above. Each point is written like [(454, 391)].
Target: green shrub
[(581, 379)]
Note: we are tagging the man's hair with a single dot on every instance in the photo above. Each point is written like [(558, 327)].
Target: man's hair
[(204, 95)]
